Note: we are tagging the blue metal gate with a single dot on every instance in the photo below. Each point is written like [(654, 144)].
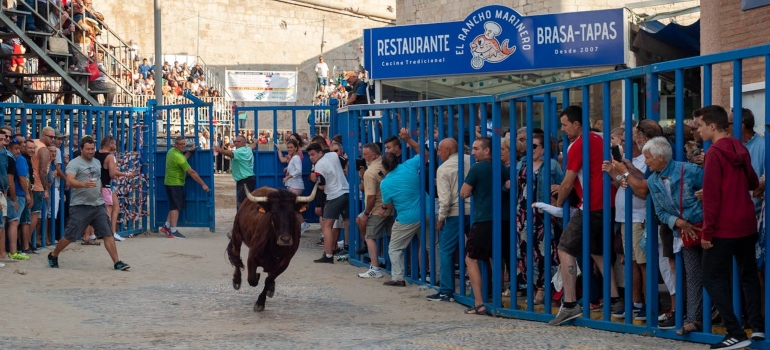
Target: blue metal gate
[(269, 171), (459, 118), (184, 121), (130, 127)]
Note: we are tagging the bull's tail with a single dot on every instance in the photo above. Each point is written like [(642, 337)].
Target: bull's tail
[(234, 247)]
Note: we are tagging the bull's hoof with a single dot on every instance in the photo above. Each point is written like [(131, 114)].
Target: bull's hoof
[(237, 285), (270, 293), (259, 308)]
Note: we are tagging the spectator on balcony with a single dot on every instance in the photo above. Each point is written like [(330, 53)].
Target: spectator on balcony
[(321, 72), (145, 69), (185, 72), (204, 86), (197, 71), (357, 94), (84, 9), (133, 50), (321, 95), (102, 83)]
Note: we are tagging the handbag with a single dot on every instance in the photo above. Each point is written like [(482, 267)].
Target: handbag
[(58, 45), (93, 69), (687, 240)]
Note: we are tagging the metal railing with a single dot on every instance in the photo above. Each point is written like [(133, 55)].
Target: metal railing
[(458, 118)]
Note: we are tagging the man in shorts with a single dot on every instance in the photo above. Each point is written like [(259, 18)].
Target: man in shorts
[(479, 243), (41, 162), (177, 169), (331, 178), (372, 220), (87, 207), (571, 241)]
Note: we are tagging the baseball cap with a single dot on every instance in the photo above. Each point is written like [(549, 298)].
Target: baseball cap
[(59, 135)]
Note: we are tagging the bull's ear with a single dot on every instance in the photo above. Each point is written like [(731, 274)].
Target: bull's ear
[(301, 207), (263, 207)]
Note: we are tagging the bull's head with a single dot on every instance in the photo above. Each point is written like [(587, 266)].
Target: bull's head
[(284, 208)]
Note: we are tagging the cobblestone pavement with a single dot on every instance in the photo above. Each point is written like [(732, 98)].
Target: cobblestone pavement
[(178, 295)]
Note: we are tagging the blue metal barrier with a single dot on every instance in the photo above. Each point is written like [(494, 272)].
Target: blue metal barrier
[(375, 123), (199, 211), (268, 169), (129, 125)]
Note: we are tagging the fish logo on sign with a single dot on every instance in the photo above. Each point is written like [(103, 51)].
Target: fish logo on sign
[(487, 48)]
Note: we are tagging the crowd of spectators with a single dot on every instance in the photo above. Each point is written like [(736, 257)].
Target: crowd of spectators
[(699, 217)]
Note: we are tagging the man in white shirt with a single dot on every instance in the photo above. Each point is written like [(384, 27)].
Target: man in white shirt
[(331, 178), (321, 72)]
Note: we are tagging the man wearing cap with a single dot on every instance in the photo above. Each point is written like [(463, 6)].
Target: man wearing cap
[(357, 92)]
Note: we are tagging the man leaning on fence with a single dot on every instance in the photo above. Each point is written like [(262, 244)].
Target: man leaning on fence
[(571, 241), (177, 170), (243, 166), (729, 227), (372, 221), (448, 223)]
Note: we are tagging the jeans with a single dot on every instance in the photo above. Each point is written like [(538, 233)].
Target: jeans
[(717, 268), (448, 245)]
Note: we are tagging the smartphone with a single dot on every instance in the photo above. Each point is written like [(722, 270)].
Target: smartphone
[(616, 153), (360, 163)]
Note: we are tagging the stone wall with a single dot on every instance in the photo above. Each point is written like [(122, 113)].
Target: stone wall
[(254, 34), (726, 27)]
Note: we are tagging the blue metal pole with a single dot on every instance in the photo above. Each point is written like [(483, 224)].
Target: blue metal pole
[(737, 133), (461, 179), (514, 199), (530, 183), (497, 276), (627, 215), (766, 271), (607, 218), (548, 105), (586, 184)]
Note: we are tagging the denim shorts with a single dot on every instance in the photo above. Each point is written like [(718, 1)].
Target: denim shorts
[(24, 216), (37, 206), (13, 213)]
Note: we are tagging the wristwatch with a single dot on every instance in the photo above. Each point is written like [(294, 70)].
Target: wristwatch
[(618, 177)]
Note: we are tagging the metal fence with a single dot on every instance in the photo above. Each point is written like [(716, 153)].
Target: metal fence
[(463, 118)]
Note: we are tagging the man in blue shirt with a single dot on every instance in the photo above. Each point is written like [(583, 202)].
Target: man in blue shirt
[(756, 146), (401, 190), (144, 69)]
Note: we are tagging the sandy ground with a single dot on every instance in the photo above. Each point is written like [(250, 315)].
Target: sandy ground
[(178, 294)]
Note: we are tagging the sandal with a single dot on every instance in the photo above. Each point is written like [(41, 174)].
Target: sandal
[(689, 328), (476, 310)]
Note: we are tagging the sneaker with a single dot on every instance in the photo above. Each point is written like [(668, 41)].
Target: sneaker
[(18, 256), (303, 227), (93, 237), (121, 266), (641, 313), (566, 314), (2, 265), (371, 273), (117, 237), (596, 307), (177, 234), (167, 231), (342, 252), (320, 242), (669, 320), (440, 297), (731, 342), (30, 251), (324, 260), (757, 336), (53, 261), (618, 308)]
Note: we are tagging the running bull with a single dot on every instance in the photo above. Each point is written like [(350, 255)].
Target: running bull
[(269, 224)]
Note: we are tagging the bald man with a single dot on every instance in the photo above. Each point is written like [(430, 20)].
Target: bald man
[(448, 226)]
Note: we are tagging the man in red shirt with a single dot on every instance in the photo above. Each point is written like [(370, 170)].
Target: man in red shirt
[(729, 226), (571, 241)]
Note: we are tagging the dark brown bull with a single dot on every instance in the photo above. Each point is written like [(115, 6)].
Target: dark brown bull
[(269, 224)]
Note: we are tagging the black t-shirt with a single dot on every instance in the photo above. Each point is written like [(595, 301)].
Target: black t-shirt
[(31, 172), (359, 88)]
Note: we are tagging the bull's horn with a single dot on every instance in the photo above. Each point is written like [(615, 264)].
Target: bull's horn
[(253, 198), (309, 198)]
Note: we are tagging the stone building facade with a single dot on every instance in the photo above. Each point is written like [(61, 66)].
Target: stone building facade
[(285, 35)]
